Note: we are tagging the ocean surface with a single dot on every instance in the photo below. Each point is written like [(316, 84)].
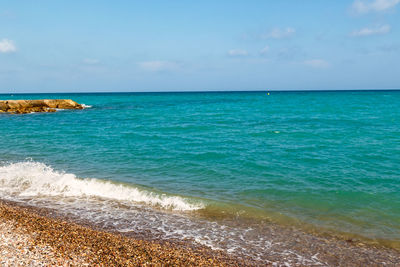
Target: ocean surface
[(212, 166)]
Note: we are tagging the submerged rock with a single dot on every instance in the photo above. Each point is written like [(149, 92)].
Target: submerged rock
[(42, 105)]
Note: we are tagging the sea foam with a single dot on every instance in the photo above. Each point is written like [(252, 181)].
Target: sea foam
[(96, 201), (31, 179)]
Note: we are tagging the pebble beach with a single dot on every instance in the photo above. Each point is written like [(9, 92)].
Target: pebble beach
[(30, 239), (31, 236)]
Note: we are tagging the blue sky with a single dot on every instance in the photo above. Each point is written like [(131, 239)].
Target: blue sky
[(93, 46)]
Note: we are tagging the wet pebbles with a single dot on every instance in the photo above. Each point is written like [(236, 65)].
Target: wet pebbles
[(27, 238)]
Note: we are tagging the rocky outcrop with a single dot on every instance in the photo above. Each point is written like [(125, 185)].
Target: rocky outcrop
[(43, 105)]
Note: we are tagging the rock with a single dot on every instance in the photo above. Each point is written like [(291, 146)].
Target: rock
[(51, 103), (3, 106), (69, 104), (23, 104), (37, 103), (62, 104), (41, 105), (13, 104)]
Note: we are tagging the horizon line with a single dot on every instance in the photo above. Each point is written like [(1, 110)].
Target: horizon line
[(208, 91)]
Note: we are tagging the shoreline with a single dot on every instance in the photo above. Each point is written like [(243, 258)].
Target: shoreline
[(27, 236), (64, 240), (274, 218)]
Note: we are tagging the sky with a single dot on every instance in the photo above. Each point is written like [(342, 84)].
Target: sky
[(113, 46)]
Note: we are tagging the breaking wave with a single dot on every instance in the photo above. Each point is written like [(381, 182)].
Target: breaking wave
[(31, 179)]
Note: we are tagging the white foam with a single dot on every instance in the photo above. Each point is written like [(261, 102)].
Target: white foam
[(98, 202), (86, 106), (34, 179)]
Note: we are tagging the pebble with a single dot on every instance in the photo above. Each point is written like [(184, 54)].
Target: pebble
[(30, 239)]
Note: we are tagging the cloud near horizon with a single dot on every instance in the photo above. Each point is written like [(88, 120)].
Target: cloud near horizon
[(238, 53), (278, 33), (384, 29), (7, 46), (363, 7)]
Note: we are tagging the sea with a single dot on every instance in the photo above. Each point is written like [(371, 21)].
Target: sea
[(213, 167)]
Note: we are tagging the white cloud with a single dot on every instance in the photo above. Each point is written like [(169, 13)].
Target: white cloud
[(238, 53), (362, 7), (384, 29), (278, 33), (317, 63), (158, 66), (7, 46), (264, 50), (91, 61)]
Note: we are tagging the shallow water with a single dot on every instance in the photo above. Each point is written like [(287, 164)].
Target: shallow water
[(329, 160)]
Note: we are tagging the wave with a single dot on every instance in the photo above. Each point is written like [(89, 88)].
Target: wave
[(31, 179), (77, 198)]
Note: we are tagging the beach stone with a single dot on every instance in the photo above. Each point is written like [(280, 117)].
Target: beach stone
[(26, 235)]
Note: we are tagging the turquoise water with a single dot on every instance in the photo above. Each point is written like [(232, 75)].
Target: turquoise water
[(326, 159)]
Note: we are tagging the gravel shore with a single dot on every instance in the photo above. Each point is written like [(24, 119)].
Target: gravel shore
[(31, 236), (30, 239)]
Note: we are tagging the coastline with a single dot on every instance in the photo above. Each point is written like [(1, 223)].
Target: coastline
[(41, 236), (27, 237)]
